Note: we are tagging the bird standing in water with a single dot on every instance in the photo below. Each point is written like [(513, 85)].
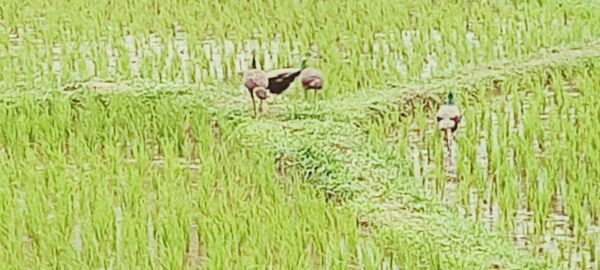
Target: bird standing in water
[(256, 82), (448, 118), (311, 78)]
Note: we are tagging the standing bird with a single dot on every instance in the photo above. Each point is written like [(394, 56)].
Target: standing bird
[(256, 82), (311, 78), (281, 79), (448, 118)]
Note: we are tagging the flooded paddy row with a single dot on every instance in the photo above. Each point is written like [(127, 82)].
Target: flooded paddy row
[(524, 165), (410, 54)]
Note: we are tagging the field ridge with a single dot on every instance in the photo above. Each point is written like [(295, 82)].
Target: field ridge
[(332, 134), (337, 129), (423, 91), (380, 187)]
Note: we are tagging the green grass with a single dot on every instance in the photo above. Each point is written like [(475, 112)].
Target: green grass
[(170, 169), (110, 181), (358, 48), (70, 172)]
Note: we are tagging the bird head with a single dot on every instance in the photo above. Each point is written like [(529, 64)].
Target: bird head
[(303, 64), (261, 92), (450, 98)]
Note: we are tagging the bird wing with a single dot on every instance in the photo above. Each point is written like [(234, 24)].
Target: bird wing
[(448, 111), (283, 72), (311, 72), (309, 78), (280, 80), (254, 78)]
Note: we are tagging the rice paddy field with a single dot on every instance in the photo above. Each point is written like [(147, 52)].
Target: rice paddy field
[(127, 140)]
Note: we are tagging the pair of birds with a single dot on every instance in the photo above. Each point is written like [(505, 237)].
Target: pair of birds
[(262, 84)]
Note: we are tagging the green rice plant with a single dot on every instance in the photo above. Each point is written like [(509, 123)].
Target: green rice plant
[(109, 191), (532, 23), (102, 178)]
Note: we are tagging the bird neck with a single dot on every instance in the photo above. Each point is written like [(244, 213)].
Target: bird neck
[(450, 99), (253, 61)]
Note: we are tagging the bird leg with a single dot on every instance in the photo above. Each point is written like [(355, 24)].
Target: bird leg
[(305, 94), (448, 156), (260, 106), (253, 103), (449, 141)]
